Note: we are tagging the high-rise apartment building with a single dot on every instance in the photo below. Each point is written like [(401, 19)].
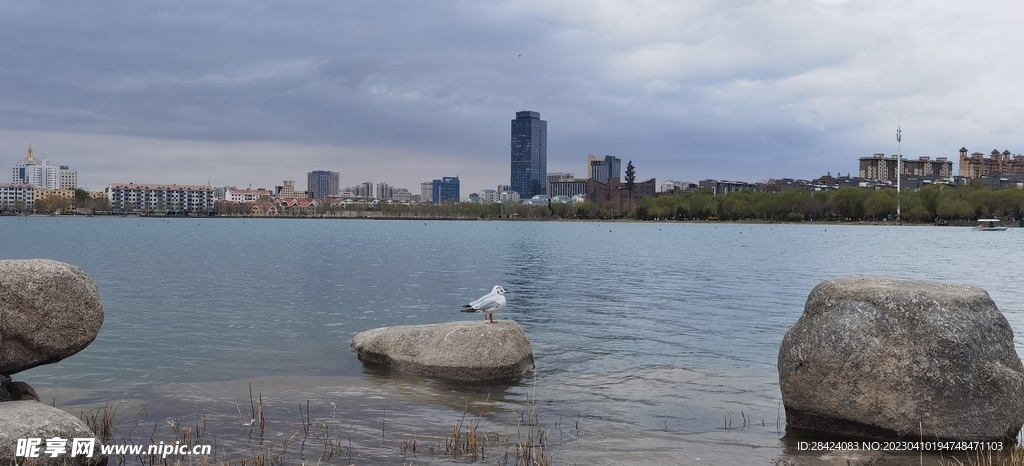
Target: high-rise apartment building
[(603, 169), (322, 184), (882, 168), (529, 154), (446, 189), (427, 191), (36, 172), (385, 192)]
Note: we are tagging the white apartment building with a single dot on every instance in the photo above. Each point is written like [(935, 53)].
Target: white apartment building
[(509, 196), (130, 197), (17, 196), (490, 196)]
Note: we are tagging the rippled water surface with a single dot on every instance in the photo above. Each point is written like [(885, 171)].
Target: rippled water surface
[(656, 342)]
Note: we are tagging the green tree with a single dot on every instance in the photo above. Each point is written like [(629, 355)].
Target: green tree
[(880, 204), (630, 179), (82, 198)]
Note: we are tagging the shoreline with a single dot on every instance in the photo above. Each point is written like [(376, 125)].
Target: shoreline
[(970, 224)]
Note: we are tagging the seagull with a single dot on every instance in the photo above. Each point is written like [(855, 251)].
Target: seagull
[(490, 304)]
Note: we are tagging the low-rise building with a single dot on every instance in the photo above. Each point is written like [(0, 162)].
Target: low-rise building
[(246, 196), (508, 196), (490, 196), (17, 196), (170, 198), (719, 187), (616, 191), (568, 187)]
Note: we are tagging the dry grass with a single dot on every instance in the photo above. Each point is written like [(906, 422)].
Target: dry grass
[(314, 440), (1013, 457)]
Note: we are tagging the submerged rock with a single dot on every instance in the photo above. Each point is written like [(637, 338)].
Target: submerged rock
[(48, 311), (28, 419), (892, 358), (469, 351)]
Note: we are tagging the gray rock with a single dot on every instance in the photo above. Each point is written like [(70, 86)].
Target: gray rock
[(48, 311), (21, 391), (468, 351), (16, 391), (891, 358), (28, 419)]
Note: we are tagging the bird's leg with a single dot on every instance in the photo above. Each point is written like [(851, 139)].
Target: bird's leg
[(492, 317)]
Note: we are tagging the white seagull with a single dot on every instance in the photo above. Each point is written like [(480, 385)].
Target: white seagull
[(490, 304)]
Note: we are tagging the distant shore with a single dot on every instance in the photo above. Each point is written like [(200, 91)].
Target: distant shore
[(363, 215)]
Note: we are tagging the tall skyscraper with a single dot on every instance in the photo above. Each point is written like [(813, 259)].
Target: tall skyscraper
[(529, 154), (322, 184), (603, 169)]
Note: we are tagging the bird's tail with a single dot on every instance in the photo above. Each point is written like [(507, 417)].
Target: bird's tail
[(467, 308)]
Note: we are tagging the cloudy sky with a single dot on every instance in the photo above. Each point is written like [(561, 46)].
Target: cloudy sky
[(255, 92)]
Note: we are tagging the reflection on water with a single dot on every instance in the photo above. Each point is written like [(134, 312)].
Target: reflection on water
[(659, 339)]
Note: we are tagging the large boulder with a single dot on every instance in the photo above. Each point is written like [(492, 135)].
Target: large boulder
[(24, 420), (48, 311), (892, 358), (468, 351)]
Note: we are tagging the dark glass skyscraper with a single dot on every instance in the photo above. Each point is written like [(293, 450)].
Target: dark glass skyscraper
[(322, 183), (529, 154)]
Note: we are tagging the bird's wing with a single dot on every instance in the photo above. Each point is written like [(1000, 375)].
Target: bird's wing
[(482, 300), (488, 303)]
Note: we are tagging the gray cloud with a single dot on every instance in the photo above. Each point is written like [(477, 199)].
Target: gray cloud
[(403, 92)]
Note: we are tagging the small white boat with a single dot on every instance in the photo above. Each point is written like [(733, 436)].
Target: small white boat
[(989, 224)]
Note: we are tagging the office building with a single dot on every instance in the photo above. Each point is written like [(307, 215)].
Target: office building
[(68, 178), (556, 177), (568, 187), (529, 154), (322, 184), (446, 189), (604, 169)]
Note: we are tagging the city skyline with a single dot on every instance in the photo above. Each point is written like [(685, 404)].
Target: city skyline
[(209, 93)]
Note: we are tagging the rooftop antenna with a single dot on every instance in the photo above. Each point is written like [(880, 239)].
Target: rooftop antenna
[(899, 164)]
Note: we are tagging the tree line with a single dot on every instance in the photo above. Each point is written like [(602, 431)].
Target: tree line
[(932, 203)]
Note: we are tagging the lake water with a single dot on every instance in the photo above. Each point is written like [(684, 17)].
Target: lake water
[(655, 343)]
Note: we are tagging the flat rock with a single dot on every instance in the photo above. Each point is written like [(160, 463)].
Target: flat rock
[(29, 419), (467, 351), (48, 311), (891, 358)]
